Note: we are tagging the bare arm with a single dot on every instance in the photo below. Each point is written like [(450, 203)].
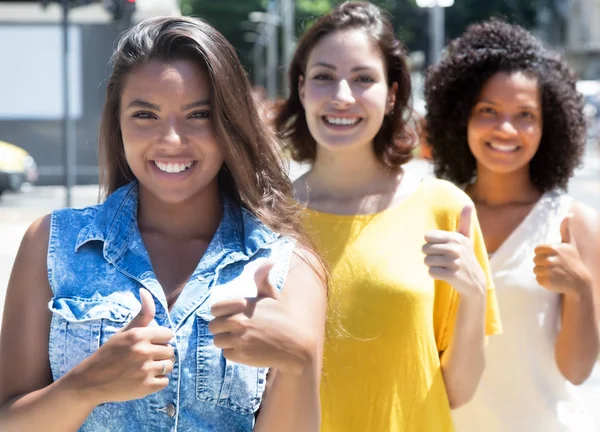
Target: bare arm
[(452, 258), (578, 342), (127, 367), (463, 361), (292, 402), (29, 401)]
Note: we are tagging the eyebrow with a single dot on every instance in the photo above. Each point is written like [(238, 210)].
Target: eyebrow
[(332, 67), (197, 104), (144, 104), (489, 102)]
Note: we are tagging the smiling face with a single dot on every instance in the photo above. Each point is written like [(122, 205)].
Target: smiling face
[(167, 132), (344, 90), (505, 126)]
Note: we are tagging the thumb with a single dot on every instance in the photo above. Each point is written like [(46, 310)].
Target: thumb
[(264, 286), (464, 220), (146, 313), (565, 230)]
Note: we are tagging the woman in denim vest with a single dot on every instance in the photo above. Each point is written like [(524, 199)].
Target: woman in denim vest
[(160, 309)]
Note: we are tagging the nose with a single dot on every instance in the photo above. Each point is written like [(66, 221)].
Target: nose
[(173, 135), (506, 127), (343, 95)]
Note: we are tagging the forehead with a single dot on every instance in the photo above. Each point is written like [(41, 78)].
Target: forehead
[(511, 87), (177, 78), (347, 47)]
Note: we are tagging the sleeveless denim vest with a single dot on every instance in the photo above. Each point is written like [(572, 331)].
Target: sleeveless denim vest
[(96, 264)]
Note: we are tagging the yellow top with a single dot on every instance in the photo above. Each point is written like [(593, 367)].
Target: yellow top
[(388, 319)]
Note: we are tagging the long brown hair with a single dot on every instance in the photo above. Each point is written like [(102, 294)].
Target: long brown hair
[(253, 173), (393, 144)]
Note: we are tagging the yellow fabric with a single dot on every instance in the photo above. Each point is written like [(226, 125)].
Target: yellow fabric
[(388, 319)]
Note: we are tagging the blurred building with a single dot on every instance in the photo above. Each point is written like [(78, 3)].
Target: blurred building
[(573, 28), (582, 45), (31, 79)]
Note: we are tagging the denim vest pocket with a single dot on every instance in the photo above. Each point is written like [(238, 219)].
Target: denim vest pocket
[(223, 382), (79, 327)]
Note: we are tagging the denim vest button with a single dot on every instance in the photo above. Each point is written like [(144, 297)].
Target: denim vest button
[(171, 410)]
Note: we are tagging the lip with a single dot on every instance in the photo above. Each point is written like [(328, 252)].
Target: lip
[(173, 176), (508, 151), (341, 126)]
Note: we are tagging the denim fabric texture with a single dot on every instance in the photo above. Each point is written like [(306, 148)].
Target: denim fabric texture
[(96, 264)]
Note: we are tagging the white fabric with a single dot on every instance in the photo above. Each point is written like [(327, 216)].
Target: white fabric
[(522, 389)]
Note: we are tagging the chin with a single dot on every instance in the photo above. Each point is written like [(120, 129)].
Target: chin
[(500, 168)]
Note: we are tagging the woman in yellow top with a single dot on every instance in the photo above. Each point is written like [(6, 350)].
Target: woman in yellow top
[(410, 297)]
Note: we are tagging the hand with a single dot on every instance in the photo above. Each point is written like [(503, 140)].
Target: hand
[(451, 258), (559, 267), (130, 365), (261, 331)]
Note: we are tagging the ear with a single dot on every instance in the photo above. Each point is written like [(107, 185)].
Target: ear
[(391, 99), (301, 89)]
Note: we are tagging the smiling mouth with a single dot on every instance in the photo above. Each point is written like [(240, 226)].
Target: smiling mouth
[(173, 168), (503, 147), (341, 121)]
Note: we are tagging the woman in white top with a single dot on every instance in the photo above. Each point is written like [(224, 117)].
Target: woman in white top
[(504, 119)]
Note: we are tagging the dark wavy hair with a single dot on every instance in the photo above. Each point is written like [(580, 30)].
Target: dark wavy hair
[(453, 86), (392, 144)]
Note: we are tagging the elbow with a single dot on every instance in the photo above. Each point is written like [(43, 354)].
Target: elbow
[(576, 376), (461, 391), (576, 370), (460, 399), (306, 356)]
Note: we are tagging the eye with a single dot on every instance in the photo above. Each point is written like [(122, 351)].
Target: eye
[(527, 115), (200, 115), (322, 77), (143, 115), (487, 110), (365, 79)]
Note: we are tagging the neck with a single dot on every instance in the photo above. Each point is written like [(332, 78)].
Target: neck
[(349, 173), (497, 189), (195, 219)]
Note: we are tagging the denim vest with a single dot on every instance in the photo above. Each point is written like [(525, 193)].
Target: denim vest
[(96, 264)]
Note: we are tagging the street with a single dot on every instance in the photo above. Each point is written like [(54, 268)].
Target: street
[(17, 211)]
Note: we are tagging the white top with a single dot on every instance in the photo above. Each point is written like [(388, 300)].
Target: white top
[(522, 389)]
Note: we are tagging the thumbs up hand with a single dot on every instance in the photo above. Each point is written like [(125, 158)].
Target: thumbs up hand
[(260, 331), (451, 257), (559, 267), (132, 364)]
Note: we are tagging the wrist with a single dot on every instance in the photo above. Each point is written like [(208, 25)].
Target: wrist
[(475, 297), (580, 291), (74, 386), (75, 393)]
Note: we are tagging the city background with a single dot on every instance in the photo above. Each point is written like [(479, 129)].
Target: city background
[(52, 87)]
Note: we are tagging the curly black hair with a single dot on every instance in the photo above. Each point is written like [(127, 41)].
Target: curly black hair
[(453, 86)]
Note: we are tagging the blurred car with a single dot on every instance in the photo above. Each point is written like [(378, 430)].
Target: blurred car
[(17, 168)]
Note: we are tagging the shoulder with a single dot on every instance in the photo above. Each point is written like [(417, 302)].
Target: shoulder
[(37, 235), (443, 196), (585, 225), (29, 269)]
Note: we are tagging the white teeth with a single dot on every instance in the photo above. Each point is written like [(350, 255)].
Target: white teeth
[(504, 148), (341, 120), (173, 167)]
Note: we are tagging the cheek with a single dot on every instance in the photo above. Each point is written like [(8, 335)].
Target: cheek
[(475, 129), (375, 97), (313, 96)]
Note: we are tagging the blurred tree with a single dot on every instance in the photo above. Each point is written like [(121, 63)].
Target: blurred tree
[(230, 17), (410, 21)]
